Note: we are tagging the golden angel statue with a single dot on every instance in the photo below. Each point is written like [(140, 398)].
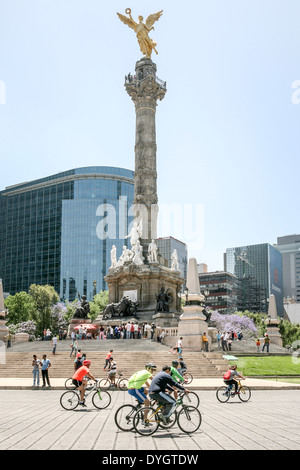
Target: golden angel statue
[(142, 29)]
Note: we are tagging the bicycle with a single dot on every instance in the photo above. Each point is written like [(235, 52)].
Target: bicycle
[(70, 386), (188, 378), (124, 416), (224, 393), (70, 400), (191, 399), (147, 420), (121, 383)]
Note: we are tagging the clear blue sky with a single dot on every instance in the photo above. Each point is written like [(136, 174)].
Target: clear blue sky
[(227, 130)]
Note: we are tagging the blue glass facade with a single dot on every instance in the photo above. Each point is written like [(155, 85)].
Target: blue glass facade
[(59, 230)]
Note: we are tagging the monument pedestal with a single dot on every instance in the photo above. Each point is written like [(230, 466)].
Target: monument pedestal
[(144, 283), (273, 333), (192, 325), (3, 329), (272, 323)]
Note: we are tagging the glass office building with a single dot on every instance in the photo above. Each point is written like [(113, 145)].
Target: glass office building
[(262, 265), (289, 247), (60, 230)]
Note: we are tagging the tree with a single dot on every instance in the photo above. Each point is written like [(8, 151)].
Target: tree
[(98, 304), (234, 322), (59, 317), (21, 307), (258, 319), (290, 332), (44, 297)]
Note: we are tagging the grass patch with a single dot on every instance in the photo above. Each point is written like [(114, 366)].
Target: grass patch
[(289, 380), (268, 365)]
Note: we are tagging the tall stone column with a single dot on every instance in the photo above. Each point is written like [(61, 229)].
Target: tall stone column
[(145, 90)]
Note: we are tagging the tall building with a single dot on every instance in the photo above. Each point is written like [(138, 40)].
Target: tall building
[(289, 247), (166, 246), (59, 230), (221, 290), (262, 265), (202, 268)]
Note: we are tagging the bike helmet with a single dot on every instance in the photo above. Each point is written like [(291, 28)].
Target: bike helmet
[(86, 363), (175, 363), (150, 366)]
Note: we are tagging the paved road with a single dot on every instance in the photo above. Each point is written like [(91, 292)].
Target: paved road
[(34, 420)]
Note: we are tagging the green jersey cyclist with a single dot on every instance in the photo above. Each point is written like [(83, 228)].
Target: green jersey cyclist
[(139, 383)]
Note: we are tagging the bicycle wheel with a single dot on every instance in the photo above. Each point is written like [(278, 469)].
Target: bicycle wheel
[(124, 417), (191, 399), (244, 393), (69, 400), (123, 384), (189, 419), (188, 378), (171, 421), (69, 384), (223, 394), (104, 384), (101, 399), (148, 426)]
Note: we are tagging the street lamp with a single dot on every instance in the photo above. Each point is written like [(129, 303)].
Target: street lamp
[(186, 291)]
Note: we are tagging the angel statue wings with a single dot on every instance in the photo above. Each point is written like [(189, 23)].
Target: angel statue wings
[(141, 29)]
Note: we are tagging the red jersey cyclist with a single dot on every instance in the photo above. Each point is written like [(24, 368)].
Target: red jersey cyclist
[(79, 379)]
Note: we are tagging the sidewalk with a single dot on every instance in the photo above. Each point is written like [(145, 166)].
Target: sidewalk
[(197, 384)]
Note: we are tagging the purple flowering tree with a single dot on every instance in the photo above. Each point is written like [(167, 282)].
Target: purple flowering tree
[(59, 318), (234, 323), (28, 327)]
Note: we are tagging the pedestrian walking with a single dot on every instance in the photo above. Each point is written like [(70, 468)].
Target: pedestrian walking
[(54, 342), (74, 347), (258, 345), (109, 354), (36, 371), (45, 365)]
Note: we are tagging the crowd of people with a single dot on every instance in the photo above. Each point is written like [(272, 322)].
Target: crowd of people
[(129, 330), (225, 339)]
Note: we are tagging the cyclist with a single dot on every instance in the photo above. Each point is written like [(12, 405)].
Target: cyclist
[(182, 365), (79, 379), (157, 391), (228, 378), (137, 382), (176, 375)]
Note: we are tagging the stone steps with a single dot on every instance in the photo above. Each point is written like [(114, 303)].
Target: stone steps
[(18, 364)]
